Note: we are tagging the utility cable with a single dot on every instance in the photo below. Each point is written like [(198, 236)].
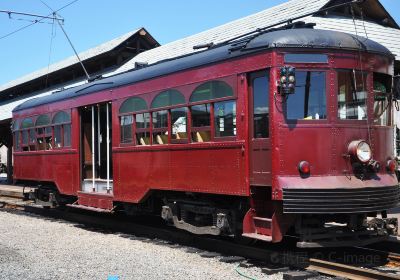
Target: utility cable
[(35, 22), (52, 36), (55, 15), (242, 274)]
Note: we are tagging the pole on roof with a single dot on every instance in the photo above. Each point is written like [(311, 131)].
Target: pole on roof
[(72, 46)]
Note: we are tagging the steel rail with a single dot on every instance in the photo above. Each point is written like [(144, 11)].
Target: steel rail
[(348, 271)]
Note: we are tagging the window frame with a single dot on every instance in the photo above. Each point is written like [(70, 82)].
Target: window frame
[(210, 127), (27, 130), (179, 141), (62, 124), (230, 81), (133, 114), (389, 109), (44, 134), (225, 138), (17, 135), (367, 101), (131, 128), (136, 130), (160, 129), (251, 78), (328, 98)]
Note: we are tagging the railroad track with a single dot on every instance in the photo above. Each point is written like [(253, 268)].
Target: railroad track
[(276, 254)]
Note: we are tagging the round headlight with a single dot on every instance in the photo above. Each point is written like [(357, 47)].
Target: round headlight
[(364, 153), (360, 150)]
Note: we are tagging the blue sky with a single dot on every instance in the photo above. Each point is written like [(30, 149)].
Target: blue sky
[(90, 23)]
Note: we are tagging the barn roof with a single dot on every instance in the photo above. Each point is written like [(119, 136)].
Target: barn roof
[(85, 55), (286, 38), (378, 26)]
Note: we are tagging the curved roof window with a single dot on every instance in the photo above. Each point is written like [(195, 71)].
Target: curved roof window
[(61, 117), (211, 90), (133, 104), (168, 98), (27, 123), (43, 120)]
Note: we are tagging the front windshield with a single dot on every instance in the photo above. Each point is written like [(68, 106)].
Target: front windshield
[(309, 100), (382, 110)]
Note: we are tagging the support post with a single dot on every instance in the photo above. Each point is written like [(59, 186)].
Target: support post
[(108, 149), (9, 163), (93, 155), (98, 136)]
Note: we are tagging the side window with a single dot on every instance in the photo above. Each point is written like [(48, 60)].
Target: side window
[(126, 129), (178, 124), (382, 89), (167, 98), (62, 130), (201, 123), (43, 130), (160, 127), (309, 100), (28, 135), (221, 114), (58, 136), (225, 118), (67, 135), (133, 125), (15, 129), (142, 122), (352, 95), (211, 90), (260, 87)]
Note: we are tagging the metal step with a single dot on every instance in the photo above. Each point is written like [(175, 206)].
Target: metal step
[(262, 219), (258, 236), (90, 208)]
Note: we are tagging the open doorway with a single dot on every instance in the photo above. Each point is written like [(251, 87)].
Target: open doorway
[(96, 158)]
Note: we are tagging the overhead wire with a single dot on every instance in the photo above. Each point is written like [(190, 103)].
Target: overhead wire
[(35, 22), (52, 36), (69, 40)]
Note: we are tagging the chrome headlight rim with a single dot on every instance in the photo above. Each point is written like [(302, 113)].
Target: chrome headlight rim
[(360, 150)]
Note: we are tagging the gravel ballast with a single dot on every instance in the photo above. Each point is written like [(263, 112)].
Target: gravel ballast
[(35, 247)]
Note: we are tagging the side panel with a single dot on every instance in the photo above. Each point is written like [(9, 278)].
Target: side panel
[(209, 168)]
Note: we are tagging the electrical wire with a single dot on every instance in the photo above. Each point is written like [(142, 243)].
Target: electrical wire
[(35, 22), (52, 36), (69, 40), (242, 274)]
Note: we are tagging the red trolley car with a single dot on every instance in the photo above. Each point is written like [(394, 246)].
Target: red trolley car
[(288, 130)]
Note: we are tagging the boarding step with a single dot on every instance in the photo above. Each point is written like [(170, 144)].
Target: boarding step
[(95, 209), (263, 225), (95, 200), (258, 236), (257, 227), (100, 185)]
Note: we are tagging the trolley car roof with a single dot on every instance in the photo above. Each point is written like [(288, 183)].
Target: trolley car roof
[(288, 38)]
